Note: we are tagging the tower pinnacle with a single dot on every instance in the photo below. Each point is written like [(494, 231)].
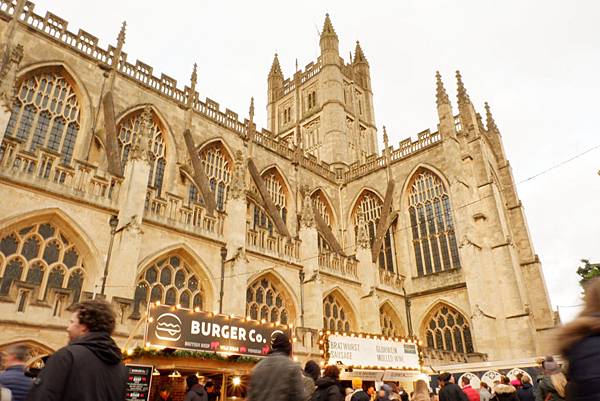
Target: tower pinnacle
[(462, 95), (440, 91), (121, 37), (490, 123), (276, 68), (328, 28), (359, 56), (194, 77)]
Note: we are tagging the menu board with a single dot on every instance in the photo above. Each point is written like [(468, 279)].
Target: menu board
[(202, 331), (139, 378)]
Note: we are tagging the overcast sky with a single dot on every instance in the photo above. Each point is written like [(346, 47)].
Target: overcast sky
[(537, 63)]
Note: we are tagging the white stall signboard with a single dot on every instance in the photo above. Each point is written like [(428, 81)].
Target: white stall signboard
[(381, 354)]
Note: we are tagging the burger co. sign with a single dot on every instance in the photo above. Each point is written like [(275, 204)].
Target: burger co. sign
[(202, 331)]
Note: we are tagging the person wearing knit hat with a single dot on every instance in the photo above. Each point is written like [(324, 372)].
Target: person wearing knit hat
[(277, 377), (358, 394), (551, 385)]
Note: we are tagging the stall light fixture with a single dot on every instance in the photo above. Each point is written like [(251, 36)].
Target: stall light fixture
[(236, 381), (130, 351), (175, 373), (155, 372)]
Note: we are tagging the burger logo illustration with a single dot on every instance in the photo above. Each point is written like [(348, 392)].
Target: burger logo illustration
[(168, 327)]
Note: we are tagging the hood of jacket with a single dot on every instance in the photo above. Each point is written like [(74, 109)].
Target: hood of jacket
[(324, 382), (504, 389), (526, 386), (198, 389), (101, 345)]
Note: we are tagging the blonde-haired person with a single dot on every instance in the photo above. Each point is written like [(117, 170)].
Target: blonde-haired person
[(421, 392), (552, 382), (580, 345)]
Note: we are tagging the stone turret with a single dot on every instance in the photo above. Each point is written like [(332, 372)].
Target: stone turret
[(361, 69), (468, 115), (444, 109), (329, 43), (275, 82)]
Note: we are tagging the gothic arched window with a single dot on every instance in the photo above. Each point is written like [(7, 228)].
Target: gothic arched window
[(335, 315), (321, 206), (42, 255), (132, 126), (217, 167), (370, 206), (276, 189), (390, 324), (432, 226), (170, 281), (447, 329), (264, 300), (46, 114)]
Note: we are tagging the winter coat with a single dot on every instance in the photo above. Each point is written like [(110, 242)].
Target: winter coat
[(309, 386), (15, 380), (584, 369), (471, 393), (545, 388), (484, 394), (328, 389), (451, 392), (360, 395), (88, 369), (196, 393), (276, 378), (505, 392), (525, 393)]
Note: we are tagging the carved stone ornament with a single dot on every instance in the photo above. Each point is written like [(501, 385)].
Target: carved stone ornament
[(142, 141), (8, 77), (307, 217), (237, 188), (362, 238)]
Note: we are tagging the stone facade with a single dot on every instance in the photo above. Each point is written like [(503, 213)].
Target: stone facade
[(316, 228)]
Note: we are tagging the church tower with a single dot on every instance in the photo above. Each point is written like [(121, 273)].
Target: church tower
[(327, 109)]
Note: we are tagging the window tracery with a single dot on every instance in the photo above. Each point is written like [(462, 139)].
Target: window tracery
[(41, 254), (335, 315), (370, 205), (46, 114), (390, 325), (432, 226), (264, 300), (218, 169), (447, 329), (130, 127)]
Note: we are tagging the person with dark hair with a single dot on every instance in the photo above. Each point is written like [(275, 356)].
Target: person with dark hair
[(504, 391), (484, 392), (328, 386), (277, 377), (89, 368), (211, 391), (164, 394), (312, 371), (470, 392), (14, 377), (450, 390), (195, 390), (525, 392), (580, 345)]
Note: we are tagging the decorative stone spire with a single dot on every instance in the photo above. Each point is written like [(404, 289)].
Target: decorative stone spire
[(462, 95), (140, 145), (237, 188), (275, 68), (193, 82), (251, 111), (307, 217), (362, 237), (328, 28), (8, 77), (121, 37), (440, 91), (386, 143), (489, 119), (359, 55)]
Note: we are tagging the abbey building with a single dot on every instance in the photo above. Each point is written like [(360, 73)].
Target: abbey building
[(120, 183)]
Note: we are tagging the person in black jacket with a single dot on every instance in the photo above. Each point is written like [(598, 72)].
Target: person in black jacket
[(525, 393), (580, 345), (328, 386), (90, 367), (196, 391), (450, 390)]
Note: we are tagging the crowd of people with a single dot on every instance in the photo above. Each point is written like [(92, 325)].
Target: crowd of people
[(90, 368)]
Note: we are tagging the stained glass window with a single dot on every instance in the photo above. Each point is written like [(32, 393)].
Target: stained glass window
[(46, 258), (46, 113), (335, 315), (264, 300), (434, 240), (450, 330), (130, 127), (218, 169), (171, 281)]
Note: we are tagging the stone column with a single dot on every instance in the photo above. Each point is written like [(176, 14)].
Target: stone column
[(368, 276), (123, 265)]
